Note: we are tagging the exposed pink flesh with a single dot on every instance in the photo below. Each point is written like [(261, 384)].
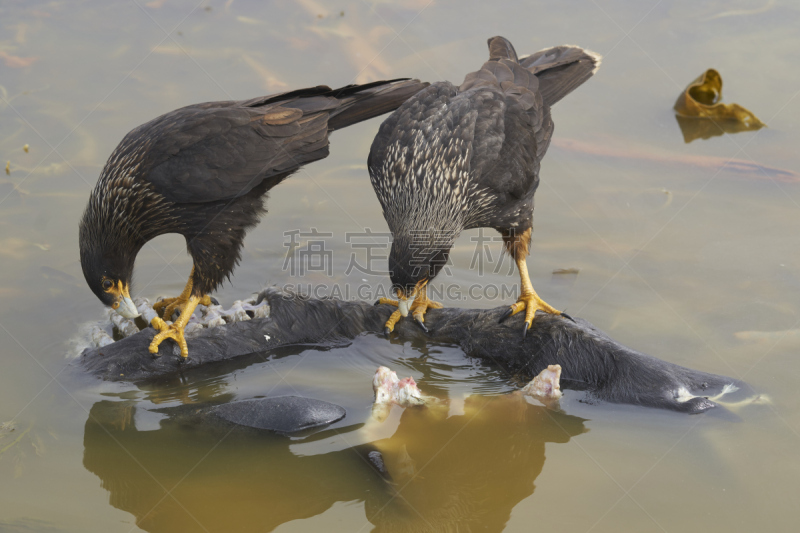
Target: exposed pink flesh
[(546, 385), (388, 389)]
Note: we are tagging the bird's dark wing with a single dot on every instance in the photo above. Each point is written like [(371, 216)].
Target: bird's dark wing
[(222, 150), (508, 146), (561, 70), (219, 153)]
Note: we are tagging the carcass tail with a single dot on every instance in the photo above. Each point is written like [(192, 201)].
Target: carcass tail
[(561, 70), (362, 102)]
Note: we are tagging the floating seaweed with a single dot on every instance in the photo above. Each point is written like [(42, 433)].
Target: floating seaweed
[(701, 114)]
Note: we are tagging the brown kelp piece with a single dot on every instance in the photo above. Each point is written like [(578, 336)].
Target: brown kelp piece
[(701, 115)]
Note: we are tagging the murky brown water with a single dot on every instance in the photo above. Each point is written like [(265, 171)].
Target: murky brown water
[(680, 256)]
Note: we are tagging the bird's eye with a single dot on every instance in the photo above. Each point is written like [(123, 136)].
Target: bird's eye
[(107, 284)]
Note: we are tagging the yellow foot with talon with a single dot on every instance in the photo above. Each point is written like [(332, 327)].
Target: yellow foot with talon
[(531, 303), (169, 305), (168, 331), (175, 331), (418, 308)]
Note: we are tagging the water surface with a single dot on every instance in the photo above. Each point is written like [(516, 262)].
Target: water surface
[(685, 251)]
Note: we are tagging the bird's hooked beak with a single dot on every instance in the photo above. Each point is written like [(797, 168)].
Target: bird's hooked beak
[(122, 301)]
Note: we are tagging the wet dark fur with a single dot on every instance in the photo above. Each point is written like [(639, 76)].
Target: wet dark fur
[(590, 360)]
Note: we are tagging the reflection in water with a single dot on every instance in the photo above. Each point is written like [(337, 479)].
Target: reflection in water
[(210, 383), (224, 482), (441, 366), (694, 128), (466, 471), (213, 389)]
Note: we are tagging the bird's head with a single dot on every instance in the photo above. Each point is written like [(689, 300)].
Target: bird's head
[(414, 260), (107, 257)]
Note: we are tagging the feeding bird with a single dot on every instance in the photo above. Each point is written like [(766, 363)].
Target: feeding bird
[(459, 157), (203, 171)]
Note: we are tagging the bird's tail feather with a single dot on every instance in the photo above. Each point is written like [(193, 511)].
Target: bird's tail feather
[(553, 73), (362, 102), (501, 48), (561, 70)]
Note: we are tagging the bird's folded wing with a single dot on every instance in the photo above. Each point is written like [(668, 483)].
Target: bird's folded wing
[(223, 153), (221, 150)]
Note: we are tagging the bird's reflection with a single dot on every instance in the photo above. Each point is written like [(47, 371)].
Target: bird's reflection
[(466, 471), (451, 470), (211, 384)]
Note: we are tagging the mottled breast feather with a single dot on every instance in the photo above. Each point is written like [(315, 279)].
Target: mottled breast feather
[(420, 161)]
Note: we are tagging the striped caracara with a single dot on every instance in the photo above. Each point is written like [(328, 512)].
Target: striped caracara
[(458, 157), (203, 171)]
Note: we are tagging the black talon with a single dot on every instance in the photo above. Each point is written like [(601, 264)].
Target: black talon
[(505, 315), (525, 327), (377, 302), (421, 324), (565, 315), (386, 331), (214, 301)]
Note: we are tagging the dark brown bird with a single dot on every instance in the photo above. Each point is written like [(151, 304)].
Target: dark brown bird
[(454, 158), (203, 171)]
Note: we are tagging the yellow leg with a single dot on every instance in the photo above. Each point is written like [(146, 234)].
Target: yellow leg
[(169, 305), (174, 331), (528, 299), (418, 307)]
